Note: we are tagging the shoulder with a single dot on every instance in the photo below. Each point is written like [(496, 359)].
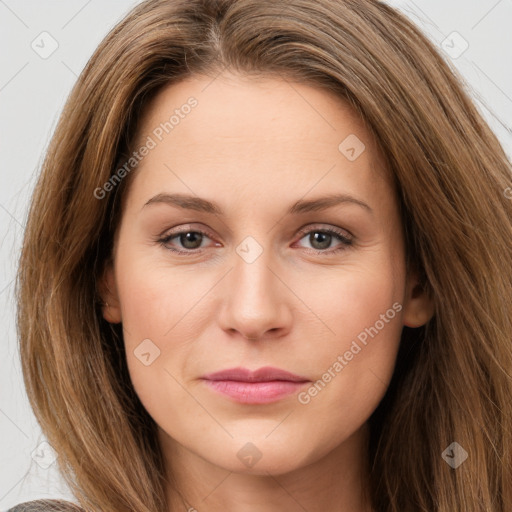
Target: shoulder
[(46, 505)]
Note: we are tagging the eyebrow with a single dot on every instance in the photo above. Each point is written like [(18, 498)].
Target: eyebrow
[(302, 206)]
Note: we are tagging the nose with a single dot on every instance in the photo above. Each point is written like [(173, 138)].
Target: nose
[(255, 301)]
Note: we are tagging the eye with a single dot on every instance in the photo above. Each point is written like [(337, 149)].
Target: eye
[(321, 239), (190, 240)]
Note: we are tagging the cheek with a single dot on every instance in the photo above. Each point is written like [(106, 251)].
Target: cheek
[(353, 299), (164, 310), (154, 296), (354, 363), (149, 309)]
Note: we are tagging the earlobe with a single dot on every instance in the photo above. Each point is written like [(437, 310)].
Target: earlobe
[(419, 306), (108, 292)]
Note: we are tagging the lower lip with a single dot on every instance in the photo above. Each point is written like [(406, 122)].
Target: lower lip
[(255, 392)]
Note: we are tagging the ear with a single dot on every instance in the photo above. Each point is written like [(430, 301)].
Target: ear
[(418, 305), (108, 292)]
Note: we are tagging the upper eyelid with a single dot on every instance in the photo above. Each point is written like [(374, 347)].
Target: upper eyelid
[(302, 231), (306, 228), (318, 227), (167, 234)]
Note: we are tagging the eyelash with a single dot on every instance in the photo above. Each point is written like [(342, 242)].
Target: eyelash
[(346, 242)]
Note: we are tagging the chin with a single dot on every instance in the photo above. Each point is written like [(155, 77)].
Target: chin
[(260, 456)]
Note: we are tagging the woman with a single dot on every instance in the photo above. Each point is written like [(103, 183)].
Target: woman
[(258, 126)]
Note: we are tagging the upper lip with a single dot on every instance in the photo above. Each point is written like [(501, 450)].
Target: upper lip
[(264, 374)]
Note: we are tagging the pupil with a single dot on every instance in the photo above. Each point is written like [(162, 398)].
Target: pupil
[(185, 238), (325, 240), (320, 240)]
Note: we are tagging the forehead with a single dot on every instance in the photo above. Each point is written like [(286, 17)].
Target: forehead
[(242, 107), (245, 132)]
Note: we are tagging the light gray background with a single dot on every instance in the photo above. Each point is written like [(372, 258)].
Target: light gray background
[(32, 93)]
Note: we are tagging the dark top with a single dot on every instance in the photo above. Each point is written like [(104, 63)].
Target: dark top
[(46, 505)]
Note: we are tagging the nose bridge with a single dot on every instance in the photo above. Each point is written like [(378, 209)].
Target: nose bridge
[(253, 282), (254, 301)]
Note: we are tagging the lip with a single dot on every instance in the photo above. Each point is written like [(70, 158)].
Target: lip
[(264, 374), (264, 385)]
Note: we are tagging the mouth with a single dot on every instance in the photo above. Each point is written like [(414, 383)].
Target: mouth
[(262, 386)]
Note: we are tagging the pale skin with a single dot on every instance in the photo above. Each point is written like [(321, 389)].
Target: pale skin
[(255, 148)]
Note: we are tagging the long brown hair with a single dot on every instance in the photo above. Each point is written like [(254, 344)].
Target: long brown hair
[(453, 378)]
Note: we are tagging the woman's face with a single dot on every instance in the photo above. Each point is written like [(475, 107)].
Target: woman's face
[(294, 260)]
